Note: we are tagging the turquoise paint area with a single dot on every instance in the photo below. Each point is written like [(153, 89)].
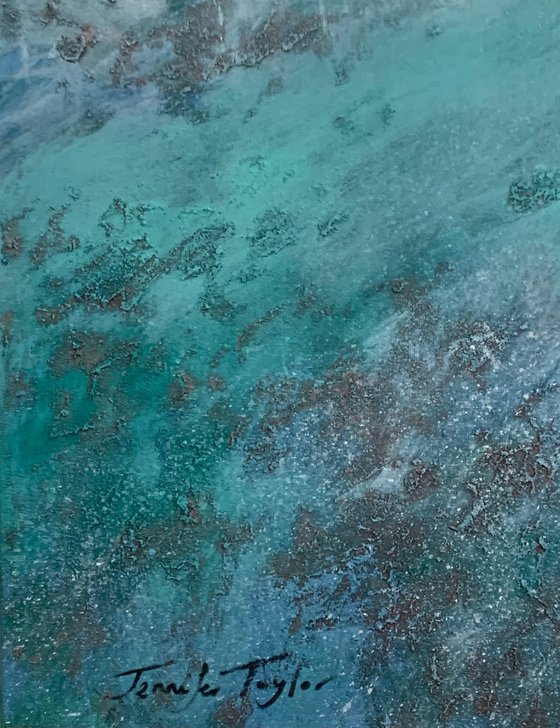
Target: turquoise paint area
[(279, 370)]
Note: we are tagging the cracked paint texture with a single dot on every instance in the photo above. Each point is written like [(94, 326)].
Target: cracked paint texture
[(280, 338)]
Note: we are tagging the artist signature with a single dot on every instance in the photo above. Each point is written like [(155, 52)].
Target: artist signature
[(142, 687)]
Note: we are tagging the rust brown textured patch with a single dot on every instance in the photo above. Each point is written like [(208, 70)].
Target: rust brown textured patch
[(12, 240), (181, 387), (6, 324), (233, 713), (19, 391)]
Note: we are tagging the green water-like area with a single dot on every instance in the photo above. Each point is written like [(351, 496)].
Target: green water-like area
[(279, 376)]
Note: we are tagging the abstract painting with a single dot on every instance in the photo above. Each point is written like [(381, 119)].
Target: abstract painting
[(280, 350)]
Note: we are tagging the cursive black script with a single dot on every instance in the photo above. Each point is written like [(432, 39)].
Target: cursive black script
[(141, 686)]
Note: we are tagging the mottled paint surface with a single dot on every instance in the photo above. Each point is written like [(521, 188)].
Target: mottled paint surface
[(280, 332)]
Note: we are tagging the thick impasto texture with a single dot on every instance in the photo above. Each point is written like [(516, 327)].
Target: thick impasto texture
[(280, 338)]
